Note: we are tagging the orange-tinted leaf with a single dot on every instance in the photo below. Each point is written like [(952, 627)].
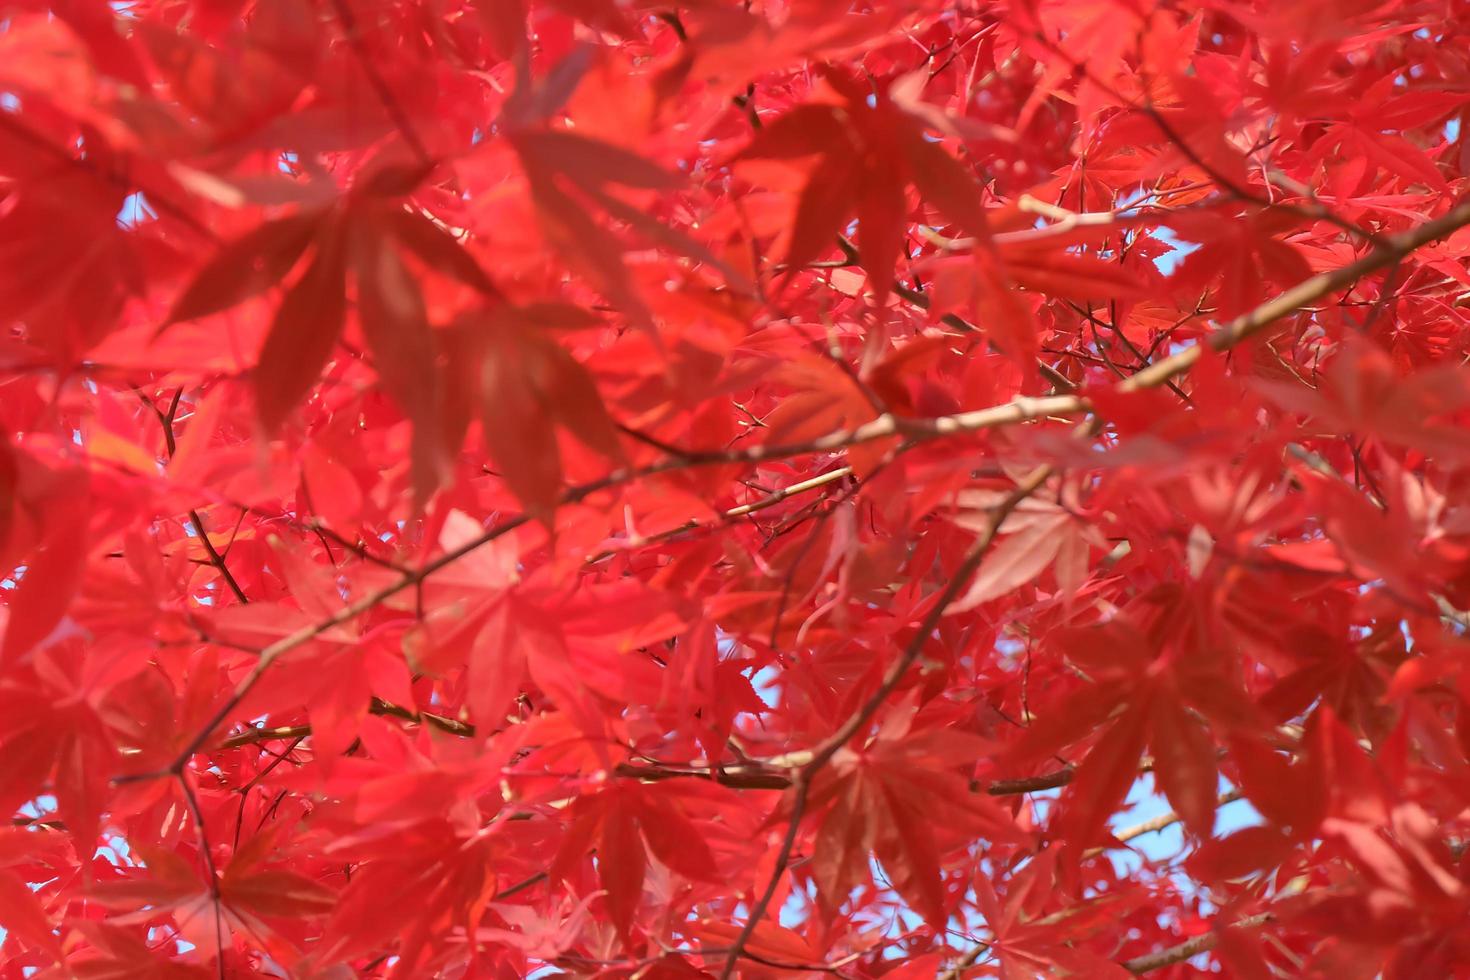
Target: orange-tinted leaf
[(1070, 276), (768, 940)]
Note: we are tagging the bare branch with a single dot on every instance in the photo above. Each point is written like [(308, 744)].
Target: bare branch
[(1190, 947), (1018, 410), (801, 785)]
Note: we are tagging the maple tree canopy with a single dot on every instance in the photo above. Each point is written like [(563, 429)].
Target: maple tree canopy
[(760, 488)]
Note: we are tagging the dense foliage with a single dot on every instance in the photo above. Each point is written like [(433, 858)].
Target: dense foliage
[(768, 488)]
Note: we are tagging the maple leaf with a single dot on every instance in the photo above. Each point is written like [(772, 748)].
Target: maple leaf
[(43, 524), (619, 822), (566, 171), (438, 875), (823, 399), (1139, 697), (60, 740), (529, 387), (22, 910), (1036, 536), (874, 802), (249, 896), (571, 416), (1243, 259), (867, 155), (364, 238), (1027, 943), (120, 952), (1360, 392)]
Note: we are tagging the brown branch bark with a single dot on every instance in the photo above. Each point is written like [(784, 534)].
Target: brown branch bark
[(1159, 373), (734, 513), (801, 785), (957, 969), (166, 420), (1026, 409), (412, 577), (1315, 211), (1018, 410), (1165, 820), (749, 775), (1146, 963), (1190, 947)]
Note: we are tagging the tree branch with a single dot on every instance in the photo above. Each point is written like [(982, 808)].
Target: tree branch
[(801, 785), (1190, 947), (1156, 374), (166, 419), (1018, 410), (958, 968), (1316, 211)]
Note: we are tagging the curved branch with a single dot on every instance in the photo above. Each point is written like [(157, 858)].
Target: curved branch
[(1018, 410), (1158, 373), (801, 785), (1190, 947)]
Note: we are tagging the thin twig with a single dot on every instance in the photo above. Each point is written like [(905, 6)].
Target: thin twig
[(1154, 375), (770, 500), (1190, 947), (1018, 410), (801, 784), (209, 867), (1156, 824), (521, 886), (958, 968), (1315, 211), (166, 419)]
